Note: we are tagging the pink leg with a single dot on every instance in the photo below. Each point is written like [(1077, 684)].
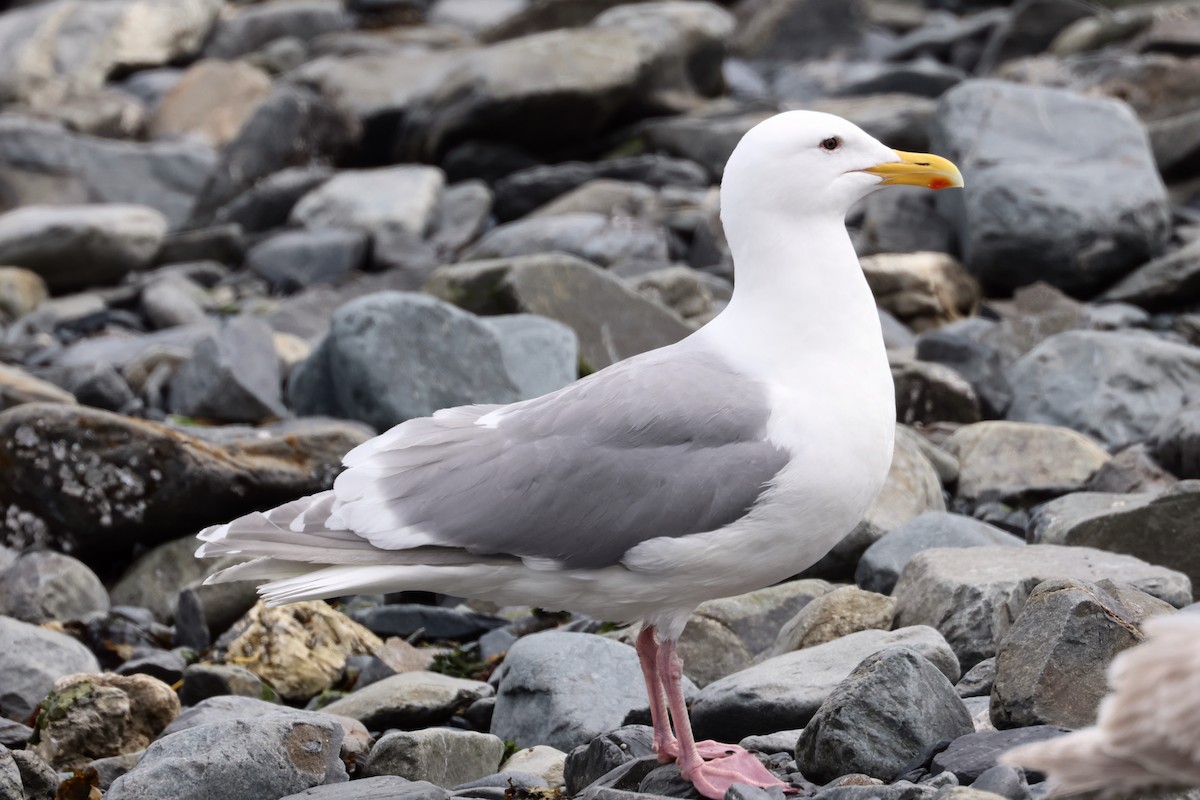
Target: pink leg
[(711, 778), (664, 741)]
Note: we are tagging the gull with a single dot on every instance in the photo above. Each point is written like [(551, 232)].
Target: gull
[(727, 462)]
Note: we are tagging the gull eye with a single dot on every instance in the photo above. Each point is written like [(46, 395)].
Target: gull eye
[(831, 144)]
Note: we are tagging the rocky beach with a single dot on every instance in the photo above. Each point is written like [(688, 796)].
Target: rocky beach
[(238, 239)]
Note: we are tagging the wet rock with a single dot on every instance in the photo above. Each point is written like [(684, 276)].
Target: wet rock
[(41, 162), (922, 290), (368, 200), (928, 393), (838, 613), (972, 594), (881, 564), (1135, 382), (410, 700), (270, 756), (41, 586), (891, 709), (563, 689), (1076, 236), (1019, 463), (394, 356), (440, 756), (18, 387), (1050, 666), (73, 247), (970, 756), (32, 658), (210, 101), (299, 649), (785, 691), (233, 376), (21, 291), (202, 681), (295, 260), (100, 715), (612, 321), (540, 354), (1153, 528)]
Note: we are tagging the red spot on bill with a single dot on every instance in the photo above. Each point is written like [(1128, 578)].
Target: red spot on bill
[(939, 183)]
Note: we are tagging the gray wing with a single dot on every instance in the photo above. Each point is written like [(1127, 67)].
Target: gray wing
[(669, 443)]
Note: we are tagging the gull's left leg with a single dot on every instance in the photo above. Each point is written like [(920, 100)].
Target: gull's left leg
[(732, 765), (665, 744)]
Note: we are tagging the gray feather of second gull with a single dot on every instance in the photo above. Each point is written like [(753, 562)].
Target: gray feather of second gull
[(662, 444)]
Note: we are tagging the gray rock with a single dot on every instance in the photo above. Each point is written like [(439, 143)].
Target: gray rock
[(38, 779), (432, 623), (784, 692), (295, 260), (32, 658), (923, 290), (74, 247), (794, 30), (268, 204), (165, 665), (904, 220), (1135, 382), (270, 756), (683, 290), (970, 756), (202, 681), (978, 363), (13, 733), (972, 594), (589, 762), (393, 356), (978, 680), (612, 321), (1130, 470), (881, 564), (254, 27), (41, 162), (564, 689), (406, 196), (171, 302), (607, 197), (11, 787), (232, 376), (604, 241), (409, 700), (1176, 443), (42, 586), (1050, 666), (1163, 282), (383, 787), (701, 138), (522, 192), (462, 217), (1020, 464), (1003, 780), (540, 354), (772, 743), (229, 708), (928, 393), (891, 709), (755, 618), (845, 610), (441, 756), (1072, 212), (154, 579)]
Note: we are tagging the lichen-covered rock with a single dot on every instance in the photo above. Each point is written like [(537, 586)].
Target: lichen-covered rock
[(93, 716), (300, 649)]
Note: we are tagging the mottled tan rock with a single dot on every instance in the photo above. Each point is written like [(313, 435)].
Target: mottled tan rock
[(922, 290), (90, 716), (21, 291), (845, 610), (542, 760), (17, 387), (300, 649), (211, 101)]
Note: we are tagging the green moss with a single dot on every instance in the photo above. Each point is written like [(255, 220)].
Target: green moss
[(57, 704), (461, 662)]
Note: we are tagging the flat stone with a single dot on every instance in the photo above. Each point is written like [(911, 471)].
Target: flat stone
[(1135, 382), (441, 756), (233, 376), (393, 356), (1132, 469), (611, 320), (972, 594), (405, 196), (540, 354), (881, 564), (33, 658), (271, 756), (970, 756), (843, 611), (383, 787), (606, 197), (978, 680), (1041, 229), (891, 709), (1050, 667), (409, 700), (165, 665), (43, 586), (1019, 463), (783, 693), (74, 247)]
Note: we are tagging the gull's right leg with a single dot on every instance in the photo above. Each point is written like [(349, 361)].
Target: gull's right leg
[(665, 744)]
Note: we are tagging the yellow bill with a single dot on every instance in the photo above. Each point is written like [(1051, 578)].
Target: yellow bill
[(918, 169)]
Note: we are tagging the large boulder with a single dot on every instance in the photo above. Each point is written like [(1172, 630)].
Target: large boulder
[(1077, 202)]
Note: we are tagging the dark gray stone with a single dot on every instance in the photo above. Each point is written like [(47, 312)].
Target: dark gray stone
[(564, 689), (1077, 204), (666, 780), (978, 680), (891, 709), (1134, 383), (393, 356), (929, 393), (970, 756), (32, 659), (1175, 443), (1050, 666), (166, 665), (295, 260), (202, 681), (509, 778), (794, 30), (783, 693), (1164, 282), (254, 27), (13, 734), (229, 708), (540, 354), (382, 787), (221, 243), (38, 779), (978, 363), (268, 204), (1130, 470), (462, 217), (434, 622), (1028, 31), (43, 586), (706, 140), (589, 762), (903, 220), (232, 376), (881, 564), (271, 756)]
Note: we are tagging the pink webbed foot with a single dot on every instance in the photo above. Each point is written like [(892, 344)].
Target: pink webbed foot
[(708, 750), (713, 778)]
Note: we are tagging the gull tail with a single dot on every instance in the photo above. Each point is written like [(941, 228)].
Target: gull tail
[(1079, 762)]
